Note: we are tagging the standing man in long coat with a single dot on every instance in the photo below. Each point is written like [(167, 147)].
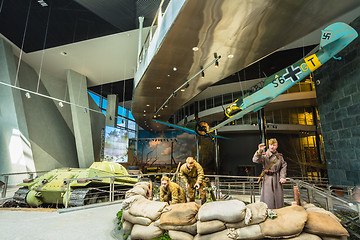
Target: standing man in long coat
[(274, 167), (192, 174)]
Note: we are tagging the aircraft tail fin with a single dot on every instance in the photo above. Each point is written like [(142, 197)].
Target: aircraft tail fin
[(335, 31)]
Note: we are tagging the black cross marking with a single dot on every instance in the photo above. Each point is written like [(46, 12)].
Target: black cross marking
[(292, 73), (326, 36)]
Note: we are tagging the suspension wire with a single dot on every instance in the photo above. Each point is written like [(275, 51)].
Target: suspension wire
[(43, 51), (1, 6), (22, 44)]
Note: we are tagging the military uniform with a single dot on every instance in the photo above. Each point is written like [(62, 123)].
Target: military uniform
[(172, 194), (193, 176), (271, 190)]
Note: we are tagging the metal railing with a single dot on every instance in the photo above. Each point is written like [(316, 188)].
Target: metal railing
[(6, 176)]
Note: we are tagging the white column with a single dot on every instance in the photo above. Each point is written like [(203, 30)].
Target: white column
[(78, 94)]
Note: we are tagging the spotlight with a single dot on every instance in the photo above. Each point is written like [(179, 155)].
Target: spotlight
[(202, 74), (27, 94), (61, 104), (216, 64), (174, 94), (85, 110)]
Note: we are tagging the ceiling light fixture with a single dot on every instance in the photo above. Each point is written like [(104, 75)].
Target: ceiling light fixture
[(175, 69), (61, 104), (27, 94), (216, 64), (42, 3), (202, 74), (195, 49), (230, 56), (147, 105), (183, 90)]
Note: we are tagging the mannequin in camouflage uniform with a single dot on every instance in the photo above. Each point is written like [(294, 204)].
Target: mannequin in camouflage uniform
[(192, 174), (171, 192)]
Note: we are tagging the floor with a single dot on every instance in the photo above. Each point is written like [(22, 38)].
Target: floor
[(89, 223)]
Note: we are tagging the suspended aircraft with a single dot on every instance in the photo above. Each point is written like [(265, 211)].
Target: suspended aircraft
[(199, 128), (334, 38)]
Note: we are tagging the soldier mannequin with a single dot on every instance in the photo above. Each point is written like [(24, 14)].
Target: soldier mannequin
[(193, 175), (272, 190), (171, 192)]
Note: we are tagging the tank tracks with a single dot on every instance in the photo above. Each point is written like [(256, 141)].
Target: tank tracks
[(85, 196), (20, 197)]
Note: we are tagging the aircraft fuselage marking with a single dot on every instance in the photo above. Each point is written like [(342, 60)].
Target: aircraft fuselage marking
[(292, 73)]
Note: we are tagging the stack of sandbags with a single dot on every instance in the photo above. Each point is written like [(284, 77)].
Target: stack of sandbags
[(140, 188), (139, 218), (214, 217), (180, 220)]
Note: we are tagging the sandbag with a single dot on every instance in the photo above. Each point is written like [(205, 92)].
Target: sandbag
[(321, 210), (180, 214), (259, 212), (127, 227), (192, 229), (289, 222), (324, 225), (306, 236), (178, 235), (127, 202), (210, 226), (147, 208), (222, 235), (146, 232), (249, 232), (136, 220), (135, 191), (226, 211)]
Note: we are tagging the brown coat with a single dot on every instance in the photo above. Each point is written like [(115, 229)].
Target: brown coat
[(195, 175), (172, 194), (272, 190)]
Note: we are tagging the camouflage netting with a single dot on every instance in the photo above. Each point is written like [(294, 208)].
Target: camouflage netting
[(225, 220)]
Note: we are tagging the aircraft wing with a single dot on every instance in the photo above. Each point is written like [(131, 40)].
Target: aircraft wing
[(188, 130)]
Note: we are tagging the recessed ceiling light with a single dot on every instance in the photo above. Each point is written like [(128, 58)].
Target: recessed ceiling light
[(157, 87), (144, 115), (166, 106), (144, 110), (183, 90), (168, 75), (174, 68), (230, 56), (195, 49), (147, 105)]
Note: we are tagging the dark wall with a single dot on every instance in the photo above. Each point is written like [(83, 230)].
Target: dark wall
[(338, 95), (237, 153)]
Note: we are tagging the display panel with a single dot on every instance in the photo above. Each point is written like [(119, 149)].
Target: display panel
[(116, 145)]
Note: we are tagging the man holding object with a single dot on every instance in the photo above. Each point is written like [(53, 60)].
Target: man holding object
[(274, 172), (192, 174)]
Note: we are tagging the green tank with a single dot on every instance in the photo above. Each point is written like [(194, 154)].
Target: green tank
[(51, 188)]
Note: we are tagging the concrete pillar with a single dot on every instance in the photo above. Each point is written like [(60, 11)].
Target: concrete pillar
[(112, 110), (15, 149), (81, 119)]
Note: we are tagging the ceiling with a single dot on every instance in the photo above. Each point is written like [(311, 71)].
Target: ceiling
[(98, 39)]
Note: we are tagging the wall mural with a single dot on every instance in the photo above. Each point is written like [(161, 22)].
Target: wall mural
[(164, 149)]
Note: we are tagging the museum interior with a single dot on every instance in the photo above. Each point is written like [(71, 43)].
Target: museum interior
[(96, 96)]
